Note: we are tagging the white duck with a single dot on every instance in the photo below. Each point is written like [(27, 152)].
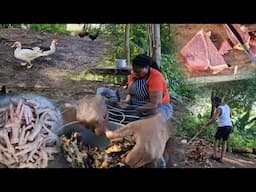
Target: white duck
[(26, 55), (47, 50)]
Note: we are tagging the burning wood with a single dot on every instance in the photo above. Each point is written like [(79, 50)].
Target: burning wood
[(26, 136), (81, 155)]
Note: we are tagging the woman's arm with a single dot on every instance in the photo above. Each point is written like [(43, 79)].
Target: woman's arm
[(155, 98), (214, 118), (127, 99), (124, 103)]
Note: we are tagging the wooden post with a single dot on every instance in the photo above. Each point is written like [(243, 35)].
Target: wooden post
[(127, 47), (157, 45)]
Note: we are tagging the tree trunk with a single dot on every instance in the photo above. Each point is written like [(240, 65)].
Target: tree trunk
[(157, 45), (127, 47), (150, 35), (213, 107)]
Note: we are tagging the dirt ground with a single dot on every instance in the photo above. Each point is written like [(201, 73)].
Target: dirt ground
[(185, 32), (198, 155), (74, 55)]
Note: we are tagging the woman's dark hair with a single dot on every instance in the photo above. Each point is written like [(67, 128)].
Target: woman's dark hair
[(216, 99), (143, 60)]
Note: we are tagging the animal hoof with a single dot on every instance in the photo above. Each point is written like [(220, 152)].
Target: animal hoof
[(29, 66)]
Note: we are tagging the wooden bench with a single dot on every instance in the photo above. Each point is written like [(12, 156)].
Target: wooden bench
[(111, 71)]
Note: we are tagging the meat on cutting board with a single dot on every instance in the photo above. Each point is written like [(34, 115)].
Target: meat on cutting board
[(225, 47), (201, 55)]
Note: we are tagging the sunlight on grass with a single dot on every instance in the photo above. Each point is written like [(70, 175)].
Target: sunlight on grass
[(115, 79), (107, 63)]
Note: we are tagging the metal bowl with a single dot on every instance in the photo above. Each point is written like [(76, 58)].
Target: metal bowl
[(101, 142), (89, 137)]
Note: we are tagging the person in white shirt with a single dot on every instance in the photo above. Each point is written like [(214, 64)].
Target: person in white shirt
[(223, 116)]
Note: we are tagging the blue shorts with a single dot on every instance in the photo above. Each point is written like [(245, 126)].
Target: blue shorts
[(166, 110)]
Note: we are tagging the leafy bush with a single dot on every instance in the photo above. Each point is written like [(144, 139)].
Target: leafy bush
[(138, 39), (51, 28), (10, 25)]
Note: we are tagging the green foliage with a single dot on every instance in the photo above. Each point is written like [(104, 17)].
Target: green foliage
[(51, 28), (115, 34), (10, 25), (138, 39), (4, 25), (189, 125), (197, 116), (177, 84), (167, 38)]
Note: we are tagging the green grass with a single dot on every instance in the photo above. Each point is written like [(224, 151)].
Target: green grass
[(114, 79)]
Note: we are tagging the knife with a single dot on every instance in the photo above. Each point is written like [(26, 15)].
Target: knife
[(240, 41)]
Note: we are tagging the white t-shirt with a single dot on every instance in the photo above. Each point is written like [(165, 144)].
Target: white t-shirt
[(224, 119)]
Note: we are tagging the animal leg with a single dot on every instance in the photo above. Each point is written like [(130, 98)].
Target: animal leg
[(48, 59)]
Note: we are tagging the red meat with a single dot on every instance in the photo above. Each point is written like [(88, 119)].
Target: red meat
[(200, 54)]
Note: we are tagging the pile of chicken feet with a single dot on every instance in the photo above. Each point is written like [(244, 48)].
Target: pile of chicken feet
[(27, 139)]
